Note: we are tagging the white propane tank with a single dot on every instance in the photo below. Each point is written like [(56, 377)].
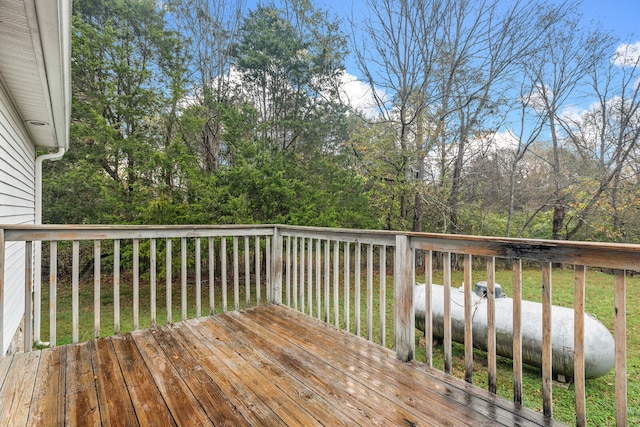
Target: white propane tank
[(599, 345)]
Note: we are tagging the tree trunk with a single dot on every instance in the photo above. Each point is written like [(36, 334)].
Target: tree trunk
[(455, 187), (558, 202)]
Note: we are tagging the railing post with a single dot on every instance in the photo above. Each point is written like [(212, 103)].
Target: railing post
[(2, 251), (28, 289), (37, 293), (620, 331), (275, 296), (404, 312)]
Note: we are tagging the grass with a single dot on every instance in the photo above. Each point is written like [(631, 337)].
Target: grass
[(600, 391), (599, 302)]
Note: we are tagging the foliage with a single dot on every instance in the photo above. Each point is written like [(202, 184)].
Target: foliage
[(206, 112)]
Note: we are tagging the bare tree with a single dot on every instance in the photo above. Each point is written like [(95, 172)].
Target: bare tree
[(392, 56), (558, 71), (211, 27), (608, 134), (445, 65), (531, 121)]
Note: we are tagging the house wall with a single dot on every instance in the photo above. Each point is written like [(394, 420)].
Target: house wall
[(17, 206)]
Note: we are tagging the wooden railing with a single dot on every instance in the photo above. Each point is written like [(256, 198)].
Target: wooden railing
[(321, 272)]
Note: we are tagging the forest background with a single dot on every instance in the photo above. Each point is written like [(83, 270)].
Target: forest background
[(213, 112)]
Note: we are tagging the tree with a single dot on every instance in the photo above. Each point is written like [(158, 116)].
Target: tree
[(210, 26), (557, 70), (125, 71), (448, 63), (289, 62), (524, 132), (607, 135)]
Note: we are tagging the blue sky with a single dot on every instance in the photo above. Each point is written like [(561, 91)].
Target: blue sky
[(618, 17), (621, 17)]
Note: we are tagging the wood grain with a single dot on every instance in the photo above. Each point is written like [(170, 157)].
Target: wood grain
[(268, 366), (116, 407), (149, 405), (81, 399), (49, 390), (184, 407), (18, 389)]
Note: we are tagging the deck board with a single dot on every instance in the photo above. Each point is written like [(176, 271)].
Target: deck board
[(269, 365), (437, 394), (49, 386), (150, 407), (202, 386), (290, 377), (81, 404), (116, 408), (17, 389), (182, 404), (250, 405)]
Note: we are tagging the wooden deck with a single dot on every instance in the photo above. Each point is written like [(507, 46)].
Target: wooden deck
[(269, 365)]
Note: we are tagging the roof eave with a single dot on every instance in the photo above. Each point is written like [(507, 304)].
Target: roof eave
[(54, 23)]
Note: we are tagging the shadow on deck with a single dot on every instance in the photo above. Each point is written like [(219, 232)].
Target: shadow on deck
[(269, 365)]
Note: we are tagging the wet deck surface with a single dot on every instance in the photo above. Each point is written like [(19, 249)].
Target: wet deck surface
[(269, 365)]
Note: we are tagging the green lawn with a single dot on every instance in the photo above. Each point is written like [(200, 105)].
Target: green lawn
[(600, 391), (599, 301)]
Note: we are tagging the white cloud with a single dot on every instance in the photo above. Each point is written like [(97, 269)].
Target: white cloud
[(627, 55), (358, 95), (536, 98), (575, 113), (504, 140)]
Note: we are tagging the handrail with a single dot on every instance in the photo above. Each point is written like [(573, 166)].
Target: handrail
[(319, 271)]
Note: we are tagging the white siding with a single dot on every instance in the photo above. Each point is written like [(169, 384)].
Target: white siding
[(17, 195)]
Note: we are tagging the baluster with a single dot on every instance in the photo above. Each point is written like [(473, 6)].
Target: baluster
[(37, 291), (578, 345), (168, 280), (257, 269), (517, 331), (327, 251), (318, 278), (28, 290), (547, 389), (468, 320), (620, 331), (198, 256), (236, 275), (153, 271), (294, 291), (247, 273), (370, 292), (288, 262), (2, 284), (383, 295), (223, 271), (491, 325), (116, 287), (310, 277), (136, 283), (302, 270), (336, 285), (347, 290), (356, 301), (212, 304), (269, 279), (96, 289), (183, 277), (53, 288), (446, 270), (428, 323)]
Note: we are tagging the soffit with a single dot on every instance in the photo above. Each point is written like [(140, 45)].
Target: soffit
[(34, 47)]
